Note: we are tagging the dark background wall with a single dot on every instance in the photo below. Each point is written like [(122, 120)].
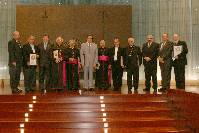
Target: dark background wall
[(104, 22)]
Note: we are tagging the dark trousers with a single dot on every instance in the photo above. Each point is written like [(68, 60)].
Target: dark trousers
[(14, 72), (29, 79), (44, 77), (179, 71), (117, 73), (102, 76), (72, 76), (57, 76), (133, 71), (165, 74), (150, 73)]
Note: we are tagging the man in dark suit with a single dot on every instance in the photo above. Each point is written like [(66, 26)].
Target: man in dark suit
[(150, 54), (133, 59), (179, 62), (116, 59), (29, 67), (15, 61), (165, 61), (45, 58)]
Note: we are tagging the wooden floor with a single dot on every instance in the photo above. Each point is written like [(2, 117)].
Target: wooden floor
[(189, 88), (97, 113)]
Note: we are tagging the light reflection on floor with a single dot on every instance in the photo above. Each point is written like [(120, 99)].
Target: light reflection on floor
[(195, 89)]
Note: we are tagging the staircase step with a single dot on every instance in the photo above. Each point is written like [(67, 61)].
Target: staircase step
[(115, 124), (102, 130)]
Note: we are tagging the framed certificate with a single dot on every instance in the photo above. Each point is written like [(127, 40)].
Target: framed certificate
[(177, 50), (33, 59), (56, 54)]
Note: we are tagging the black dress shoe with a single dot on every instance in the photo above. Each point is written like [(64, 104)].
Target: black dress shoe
[(162, 90), (17, 91), (91, 89), (146, 89), (135, 91), (27, 91), (129, 92)]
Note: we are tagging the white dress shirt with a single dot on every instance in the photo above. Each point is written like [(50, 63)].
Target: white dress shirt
[(33, 47), (115, 56)]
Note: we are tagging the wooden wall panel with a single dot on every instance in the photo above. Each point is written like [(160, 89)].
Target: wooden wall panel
[(75, 21)]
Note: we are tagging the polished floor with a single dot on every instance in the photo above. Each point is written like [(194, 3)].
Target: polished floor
[(97, 111), (5, 89), (109, 113)]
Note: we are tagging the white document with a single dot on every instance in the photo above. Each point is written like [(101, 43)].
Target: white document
[(56, 54), (177, 50), (33, 59)]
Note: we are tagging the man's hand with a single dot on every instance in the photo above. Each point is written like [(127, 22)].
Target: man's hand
[(147, 59), (161, 60), (71, 59), (14, 63), (122, 66), (94, 66), (82, 66), (57, 60), (109, 67)]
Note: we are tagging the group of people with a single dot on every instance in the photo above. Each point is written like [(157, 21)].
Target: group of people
[(59, 65)]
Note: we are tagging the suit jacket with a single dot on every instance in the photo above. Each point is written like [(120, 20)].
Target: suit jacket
[(151, 52), (15, 51), (133, 56), (89, 54), (45, 56), (120, 53), (182, 59), (165, 52), (27, 50)]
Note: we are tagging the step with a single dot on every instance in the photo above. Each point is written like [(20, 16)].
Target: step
[(116, 124), (101, 130), (73, 115), (108, 98)]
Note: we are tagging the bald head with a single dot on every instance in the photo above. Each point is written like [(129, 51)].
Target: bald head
[(16, 35), (131, 41), (31, 39), (176, 38)]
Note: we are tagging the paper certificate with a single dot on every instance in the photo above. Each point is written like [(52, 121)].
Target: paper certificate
[(177, 50), (33, 59), (56, 54)]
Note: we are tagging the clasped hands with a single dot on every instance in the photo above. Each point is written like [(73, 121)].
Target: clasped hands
[(58, 60)]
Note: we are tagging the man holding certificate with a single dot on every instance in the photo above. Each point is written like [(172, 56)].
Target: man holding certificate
[(30, 54), (179, 61), (58, 68)]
